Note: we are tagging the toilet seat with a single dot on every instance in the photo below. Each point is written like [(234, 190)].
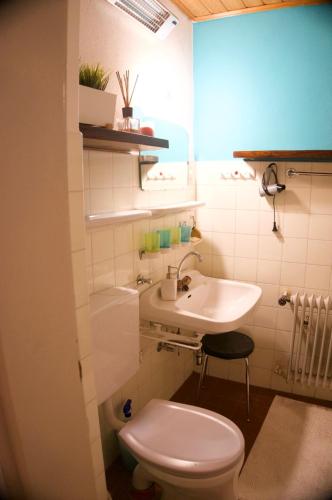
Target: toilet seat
[(184, 440)]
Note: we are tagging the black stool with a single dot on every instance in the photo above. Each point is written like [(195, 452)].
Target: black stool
[(229, 345)]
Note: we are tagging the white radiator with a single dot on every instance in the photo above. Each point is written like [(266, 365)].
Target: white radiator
[(311, 341)]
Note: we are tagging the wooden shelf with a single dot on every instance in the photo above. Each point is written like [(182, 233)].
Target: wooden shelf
[(284, 155), (114, 140)]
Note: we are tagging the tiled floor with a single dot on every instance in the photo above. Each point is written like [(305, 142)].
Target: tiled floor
[(221, 396)]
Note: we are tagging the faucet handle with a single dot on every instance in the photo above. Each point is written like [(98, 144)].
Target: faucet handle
[(140, 280)]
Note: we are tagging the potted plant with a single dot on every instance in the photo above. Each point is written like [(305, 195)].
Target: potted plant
[(96, 107)]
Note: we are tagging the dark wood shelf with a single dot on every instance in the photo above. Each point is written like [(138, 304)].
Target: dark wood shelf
[(114, 140), (284, 155)]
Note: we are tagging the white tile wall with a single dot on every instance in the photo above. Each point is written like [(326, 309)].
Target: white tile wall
[(239, 243), (111, 183), (81, 248)]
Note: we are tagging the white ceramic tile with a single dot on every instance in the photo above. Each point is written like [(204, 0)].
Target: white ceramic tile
[(247, 221), (103, 275), (88, 248), (260, 377), (97, 457), (75, 161), (318, 277), (88, 380), (262, 358), (124, 269), (102, 244), (205, 267), (270, 294), (266, 222), (321, 201), (91, 411), (222, 221), (122, 170), (282, 340), (80, 278), (268, 271), (245, 269), (270, 247), (87, 202), (83, 331), (86, 170), (263, 337), (295, 250), (285, 318), (217, 368), (222, 244), (140, 228), (100, 171), (319, 252), (247, 198), (222, 267), (296, 225), (265, 317), (101, 200), (89, 274), (77, 226), (123, 198), (292, 273), (297, 200), (123, 239), (320, 227), (246, 245)]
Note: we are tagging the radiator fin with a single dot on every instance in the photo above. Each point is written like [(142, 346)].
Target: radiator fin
[(310, 360)]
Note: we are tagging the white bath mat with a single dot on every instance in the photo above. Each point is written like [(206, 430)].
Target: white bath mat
[(292, 455)]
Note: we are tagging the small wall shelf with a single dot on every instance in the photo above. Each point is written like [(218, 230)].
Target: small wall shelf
[(315, 155), (105, 139), (123, 216), (119, 217), (174, 208)]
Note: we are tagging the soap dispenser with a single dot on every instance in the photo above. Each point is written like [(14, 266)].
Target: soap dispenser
[(169, 284)]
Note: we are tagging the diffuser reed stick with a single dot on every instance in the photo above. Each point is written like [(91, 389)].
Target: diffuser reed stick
[(125, 87)]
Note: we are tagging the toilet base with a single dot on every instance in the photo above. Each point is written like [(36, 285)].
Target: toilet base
[(222, 487)]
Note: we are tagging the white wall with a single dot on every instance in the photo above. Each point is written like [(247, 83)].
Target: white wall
[(239, 244), (111, 180), (42, 401), (165, 86)]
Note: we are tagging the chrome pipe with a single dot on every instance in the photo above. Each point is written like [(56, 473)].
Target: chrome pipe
[(292, 172)]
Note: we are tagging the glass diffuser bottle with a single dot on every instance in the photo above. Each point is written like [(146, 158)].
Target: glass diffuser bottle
[(128, 123)]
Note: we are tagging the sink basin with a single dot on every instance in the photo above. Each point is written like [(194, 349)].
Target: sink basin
[(210, 306)]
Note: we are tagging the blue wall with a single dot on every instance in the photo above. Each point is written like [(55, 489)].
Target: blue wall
[(263, 81)]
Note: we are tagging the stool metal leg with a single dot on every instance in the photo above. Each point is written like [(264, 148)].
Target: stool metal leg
[(248, 388), (202, 375)]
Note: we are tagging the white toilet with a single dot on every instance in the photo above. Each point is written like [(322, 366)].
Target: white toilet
[(189, 451)]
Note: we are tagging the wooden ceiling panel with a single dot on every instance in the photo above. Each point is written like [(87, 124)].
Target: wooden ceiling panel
[(203, 10), (253, 3), (214, 6), (233, 4)]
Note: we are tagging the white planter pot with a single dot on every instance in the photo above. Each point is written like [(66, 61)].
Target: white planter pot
[(96, 107)]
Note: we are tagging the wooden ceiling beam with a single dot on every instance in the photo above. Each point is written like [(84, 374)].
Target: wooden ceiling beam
[(247, 10)]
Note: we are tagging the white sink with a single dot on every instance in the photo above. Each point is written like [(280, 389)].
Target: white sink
[(210, 306)]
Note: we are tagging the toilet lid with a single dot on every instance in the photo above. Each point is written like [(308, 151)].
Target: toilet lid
[(183, 439)]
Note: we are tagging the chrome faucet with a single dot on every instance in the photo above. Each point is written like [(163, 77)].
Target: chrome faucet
[(140, 280), (197, 254)]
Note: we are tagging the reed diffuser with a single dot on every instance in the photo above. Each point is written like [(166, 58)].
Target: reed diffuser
[(129, 123)]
